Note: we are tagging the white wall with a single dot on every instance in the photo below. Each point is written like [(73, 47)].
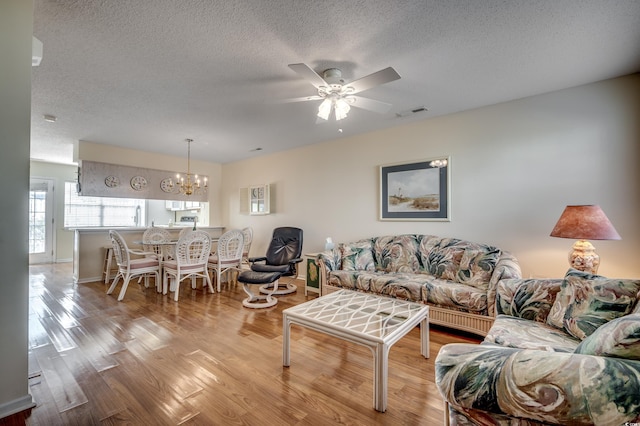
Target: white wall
[(514, 167), (16, 28)]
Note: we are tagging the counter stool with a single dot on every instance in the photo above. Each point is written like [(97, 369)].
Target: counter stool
[(106, 264), (249, 278)]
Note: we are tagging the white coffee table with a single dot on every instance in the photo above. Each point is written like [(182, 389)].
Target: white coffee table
[(376, 322)]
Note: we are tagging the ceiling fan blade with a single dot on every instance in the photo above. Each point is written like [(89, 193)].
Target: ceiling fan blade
[(377, 78), (371, 105), (307, 73), (300, 99)]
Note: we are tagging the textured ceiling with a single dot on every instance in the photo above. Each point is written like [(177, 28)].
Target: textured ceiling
[(147, 74)]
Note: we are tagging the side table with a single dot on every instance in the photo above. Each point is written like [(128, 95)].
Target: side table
[(312, 283)]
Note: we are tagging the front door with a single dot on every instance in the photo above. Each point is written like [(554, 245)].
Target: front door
[(41, 220)]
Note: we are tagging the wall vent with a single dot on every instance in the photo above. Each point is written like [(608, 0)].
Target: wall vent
[(411, 111)]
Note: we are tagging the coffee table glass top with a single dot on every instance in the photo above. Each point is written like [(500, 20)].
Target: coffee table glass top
[(370, 315)]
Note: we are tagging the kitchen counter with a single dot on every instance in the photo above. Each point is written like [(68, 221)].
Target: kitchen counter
[(89, 244)]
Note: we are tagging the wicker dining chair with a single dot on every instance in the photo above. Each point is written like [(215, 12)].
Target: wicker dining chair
[(191, 256), (152, 239), (228, 256), (248, 239), (132, 263)]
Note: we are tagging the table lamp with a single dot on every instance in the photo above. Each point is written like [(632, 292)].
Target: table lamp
[(584, 223)]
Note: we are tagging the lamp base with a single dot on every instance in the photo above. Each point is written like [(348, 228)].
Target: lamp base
[(583, 257)]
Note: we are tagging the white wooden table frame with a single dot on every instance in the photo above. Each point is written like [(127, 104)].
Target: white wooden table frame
[(376, 322)]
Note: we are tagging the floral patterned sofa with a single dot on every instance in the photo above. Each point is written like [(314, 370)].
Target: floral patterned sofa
[(561, 351), (456, 278)]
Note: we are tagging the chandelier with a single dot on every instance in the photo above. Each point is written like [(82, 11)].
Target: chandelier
[(190, 184)]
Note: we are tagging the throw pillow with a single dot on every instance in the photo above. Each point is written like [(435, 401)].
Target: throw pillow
[(477, 265), (357, 256), (441, 258), (398, 254), (619, 338), (560, 305), (591, 301)]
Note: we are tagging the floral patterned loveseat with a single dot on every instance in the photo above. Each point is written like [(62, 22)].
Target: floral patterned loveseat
[(456, 278), (561, 351)]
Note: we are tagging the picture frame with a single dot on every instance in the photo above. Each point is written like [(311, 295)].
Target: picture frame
[(418, 190)]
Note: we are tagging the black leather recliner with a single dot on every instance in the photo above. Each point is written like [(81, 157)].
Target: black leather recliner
[(282, 258)]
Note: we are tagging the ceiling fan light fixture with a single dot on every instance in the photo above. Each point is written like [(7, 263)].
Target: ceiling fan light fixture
[(325, 109), (342, 108), (337, 95)]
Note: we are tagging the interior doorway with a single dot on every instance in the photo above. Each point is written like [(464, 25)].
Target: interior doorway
[(40, 220)]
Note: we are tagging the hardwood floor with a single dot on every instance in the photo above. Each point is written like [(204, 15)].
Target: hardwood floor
[(206, 360)]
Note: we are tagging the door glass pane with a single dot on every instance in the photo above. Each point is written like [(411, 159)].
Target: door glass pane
[(37, 223)]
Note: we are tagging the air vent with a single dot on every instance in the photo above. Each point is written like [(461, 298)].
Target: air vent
[(411, 111)]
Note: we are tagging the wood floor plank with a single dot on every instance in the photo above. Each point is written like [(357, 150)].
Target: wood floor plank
[(97, 327), (92, 350), (206, 360), (59, 335), (103, 403), (66, 392), (56, 309), (38, 335), (152, 384)]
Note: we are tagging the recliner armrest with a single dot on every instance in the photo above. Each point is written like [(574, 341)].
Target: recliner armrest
[(296, 260), (257, 259)]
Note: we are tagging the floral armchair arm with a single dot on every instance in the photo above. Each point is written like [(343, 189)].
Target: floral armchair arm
[(506, 267), (495, 383), (527, 298), (327, 261)]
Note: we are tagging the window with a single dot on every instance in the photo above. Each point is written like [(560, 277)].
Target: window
[(101, 211)]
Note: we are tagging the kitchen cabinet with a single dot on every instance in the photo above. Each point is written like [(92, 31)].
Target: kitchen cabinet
[(176, 206)]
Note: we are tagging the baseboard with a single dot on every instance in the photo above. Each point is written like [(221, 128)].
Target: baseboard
[(16, 406), (89, 280), (64, 260)]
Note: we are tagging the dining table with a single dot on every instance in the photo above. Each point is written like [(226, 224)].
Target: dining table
[(167, 249)]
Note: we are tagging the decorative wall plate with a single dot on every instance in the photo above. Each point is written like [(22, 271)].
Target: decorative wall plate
[(138, 183), (112, 181), (166, 185)]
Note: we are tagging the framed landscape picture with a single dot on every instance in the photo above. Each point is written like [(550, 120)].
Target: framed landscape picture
[(415, 191)]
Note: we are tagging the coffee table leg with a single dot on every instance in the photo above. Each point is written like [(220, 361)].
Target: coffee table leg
[(381, 367), (424, 337), (286, 332)]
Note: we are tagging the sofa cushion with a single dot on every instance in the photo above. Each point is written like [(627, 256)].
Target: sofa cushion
[(619, 338), (587, 301), (402, 286), (397, 253), (456, 296), (357, 256), (514, 332)]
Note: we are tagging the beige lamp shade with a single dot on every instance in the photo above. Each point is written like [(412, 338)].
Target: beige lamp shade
[(583, 223)]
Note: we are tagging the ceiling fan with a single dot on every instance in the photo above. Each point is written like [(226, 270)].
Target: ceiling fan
[(340, 97)]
